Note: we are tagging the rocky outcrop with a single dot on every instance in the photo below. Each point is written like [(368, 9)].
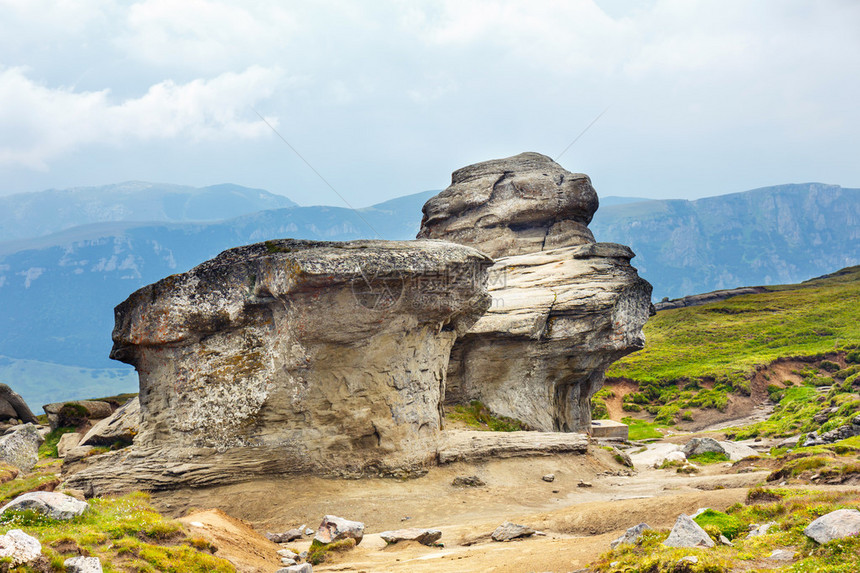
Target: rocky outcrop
[(708, 297), (20, 446), (121, 426), (292, 357), (512, 206), (564, 307), (76, 412), (460, 446), (13, 407)]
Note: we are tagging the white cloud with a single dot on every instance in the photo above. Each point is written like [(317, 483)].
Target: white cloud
[(39, 123)]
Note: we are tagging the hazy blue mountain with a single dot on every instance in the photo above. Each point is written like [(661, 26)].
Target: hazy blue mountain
[(773, 235), (35, 214), (57, 292)]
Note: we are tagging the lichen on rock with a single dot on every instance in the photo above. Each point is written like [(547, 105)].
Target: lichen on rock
[(294, 356)]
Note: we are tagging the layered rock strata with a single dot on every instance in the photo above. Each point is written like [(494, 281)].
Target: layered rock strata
[(564, 307), (513, 206), (293, 356)]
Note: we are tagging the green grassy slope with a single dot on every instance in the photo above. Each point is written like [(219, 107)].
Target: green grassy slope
[(727, 339)]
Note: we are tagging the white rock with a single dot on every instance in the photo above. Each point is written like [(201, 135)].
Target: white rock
[(782, 555), (509, 531), (632, 535), (49, 503), (835, 525), (688, 533), (334, 528), (19, 547), (83, 565)]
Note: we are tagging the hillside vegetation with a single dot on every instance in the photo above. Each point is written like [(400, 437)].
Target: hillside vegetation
[(724, 341), (699, 358)]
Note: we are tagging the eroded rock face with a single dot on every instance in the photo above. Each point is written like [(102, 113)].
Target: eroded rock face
[(512, 206), (294, 356), (559, 318), (564, 307)]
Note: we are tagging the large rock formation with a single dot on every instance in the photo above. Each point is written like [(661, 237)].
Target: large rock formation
[(512, 206), (293, 356), (564, 307)]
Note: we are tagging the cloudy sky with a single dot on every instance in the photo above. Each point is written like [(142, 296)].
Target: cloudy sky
[(386, 98)]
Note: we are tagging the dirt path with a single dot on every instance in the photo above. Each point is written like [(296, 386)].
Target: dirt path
[(579, 522)]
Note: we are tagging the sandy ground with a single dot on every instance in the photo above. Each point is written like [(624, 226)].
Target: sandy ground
[(578, 522)]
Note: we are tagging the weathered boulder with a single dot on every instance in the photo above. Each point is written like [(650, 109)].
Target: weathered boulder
[(121, 426), (49, 503), (20, 446), (13, 406), (732, 450), (835, 525), (511, 206), (67, 443), (83, 565), (422, 536), (632, 535), (285, 537), (564, 307), (76, 412), (334, 528), (303, 568), (843, 432), (558, 319), (688, 533), (509, 531), (19, 547), (293, 357)]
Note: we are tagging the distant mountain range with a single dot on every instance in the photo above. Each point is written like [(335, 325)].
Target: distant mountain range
[(63, 270)]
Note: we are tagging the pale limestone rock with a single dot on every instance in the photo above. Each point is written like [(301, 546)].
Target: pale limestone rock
[(292, 357), (835, 525), (83, 565), (422, 536), (19, 547), (516, 205), (67, 442), (51, 504), (334, 528), (632, 535), (20, 446), (688, 533), (558, 319), (509, 531), (121, 426)]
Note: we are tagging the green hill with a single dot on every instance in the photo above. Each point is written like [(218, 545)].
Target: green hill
[(702, 357)]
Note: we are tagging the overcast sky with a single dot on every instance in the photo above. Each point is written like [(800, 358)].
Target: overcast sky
[(386, 98)]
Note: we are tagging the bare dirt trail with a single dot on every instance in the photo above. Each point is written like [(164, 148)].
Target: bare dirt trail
[(579, 522)]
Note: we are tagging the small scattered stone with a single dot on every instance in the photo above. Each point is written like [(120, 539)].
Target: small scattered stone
[(468, 481), (67, 443), (688, 533), (49, 503), (835, 525), (782, 555), (405, 518), (548, 478), (285, 537), (422, 536), (725, 541), (19, 447), (583, 484), (288, 561), (508, 531), (83, 565), (334, 528), (632, 535), (287, 553), (309, 531), (692, 559), (303, 568), (760, 529), (19, 547)]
